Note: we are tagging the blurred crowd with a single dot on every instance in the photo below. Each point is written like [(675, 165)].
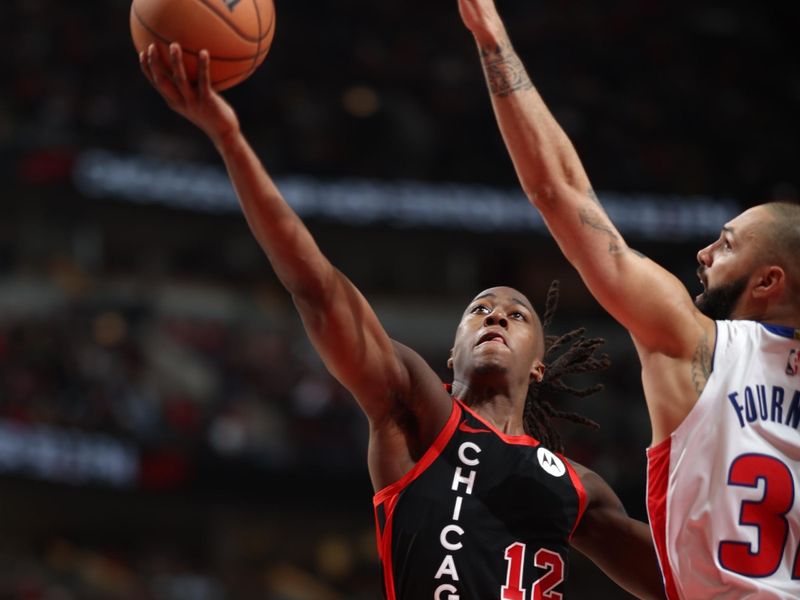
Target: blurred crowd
[(240, 390), (163, 549), (687, 97)]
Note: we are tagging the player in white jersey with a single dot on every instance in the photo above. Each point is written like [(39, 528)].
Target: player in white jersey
[(723, 488), (719, 372)]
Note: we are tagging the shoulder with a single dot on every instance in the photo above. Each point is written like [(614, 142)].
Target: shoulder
[(598, 493), (425, 405)]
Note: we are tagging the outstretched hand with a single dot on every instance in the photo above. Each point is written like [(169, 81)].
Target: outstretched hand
[(197, 102), (479, 16)]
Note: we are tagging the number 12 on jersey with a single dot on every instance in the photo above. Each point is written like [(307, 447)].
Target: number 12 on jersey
[(542, 587)]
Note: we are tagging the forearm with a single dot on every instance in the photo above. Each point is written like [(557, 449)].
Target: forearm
[(338, 319), (543, 156), (289, 246), (547, 164)]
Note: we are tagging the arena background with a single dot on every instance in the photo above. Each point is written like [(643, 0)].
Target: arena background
[(166, 431)]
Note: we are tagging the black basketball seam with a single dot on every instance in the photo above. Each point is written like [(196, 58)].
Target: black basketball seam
[(168, 41), (269, 31), (232, 24), (258, 44)]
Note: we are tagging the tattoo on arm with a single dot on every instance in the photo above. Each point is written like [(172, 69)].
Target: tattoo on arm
[(595, 220), (590, 217), (505, 72), (701, 364)]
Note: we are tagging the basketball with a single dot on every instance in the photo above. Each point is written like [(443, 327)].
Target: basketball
[(236, 33)]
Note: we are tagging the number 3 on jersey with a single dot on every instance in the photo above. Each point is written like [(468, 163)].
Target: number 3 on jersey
[(542, 587), (768, 515)]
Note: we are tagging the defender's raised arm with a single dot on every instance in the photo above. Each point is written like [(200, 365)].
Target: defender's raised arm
[(646, 299)]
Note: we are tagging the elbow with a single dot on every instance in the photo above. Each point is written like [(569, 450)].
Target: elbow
[(310, 290), (317, 289), (541, 195), (549, 194), (304, 271)]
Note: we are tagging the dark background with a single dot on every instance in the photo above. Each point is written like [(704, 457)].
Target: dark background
[(150, 330)]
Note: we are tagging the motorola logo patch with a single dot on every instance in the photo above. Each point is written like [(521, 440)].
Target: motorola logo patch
[(550, 462)]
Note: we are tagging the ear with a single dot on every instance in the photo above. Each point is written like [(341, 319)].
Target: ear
[(770, 283), (537, 371), (450, 360)]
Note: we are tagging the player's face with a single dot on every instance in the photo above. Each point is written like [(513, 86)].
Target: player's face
[(499, 333), (727, 264)]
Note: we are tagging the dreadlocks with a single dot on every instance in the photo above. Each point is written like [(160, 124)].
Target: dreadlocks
[(579, 357)]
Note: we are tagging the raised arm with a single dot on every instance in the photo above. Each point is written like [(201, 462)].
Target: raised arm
[(339, 321), (674, 340), (651, 303)]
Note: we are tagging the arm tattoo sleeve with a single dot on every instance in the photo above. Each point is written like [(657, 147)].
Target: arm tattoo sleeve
[(594, 219), (505, 72), (589, 216), (701, 364)]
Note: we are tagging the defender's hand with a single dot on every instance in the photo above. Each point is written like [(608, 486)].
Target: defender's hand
[(198, 102), (480, 17)]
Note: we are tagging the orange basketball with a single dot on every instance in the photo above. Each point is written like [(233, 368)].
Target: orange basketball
[(236, 33)]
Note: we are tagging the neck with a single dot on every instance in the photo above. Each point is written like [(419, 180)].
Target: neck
[(776, 314), (783, 322), (499, 406)]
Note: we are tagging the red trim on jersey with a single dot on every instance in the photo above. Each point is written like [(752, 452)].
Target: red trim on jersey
[(524, 440), (431, 454), (385, 550), (578, 485), (657, 480), (391, 494), (377, 529)]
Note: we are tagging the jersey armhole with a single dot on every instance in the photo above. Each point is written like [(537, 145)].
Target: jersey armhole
[(714, 350), (431, 454), (580, 490), (704, 402)]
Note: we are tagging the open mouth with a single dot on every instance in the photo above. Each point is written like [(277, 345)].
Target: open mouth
[(492, 337), (701, 272)]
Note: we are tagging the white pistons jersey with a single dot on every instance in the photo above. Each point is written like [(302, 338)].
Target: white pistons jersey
[(723, 491)]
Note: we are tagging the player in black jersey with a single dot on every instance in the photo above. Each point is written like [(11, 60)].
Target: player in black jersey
[(468, 505), (488, 510)]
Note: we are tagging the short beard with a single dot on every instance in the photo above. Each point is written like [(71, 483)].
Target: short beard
[(718, 303)]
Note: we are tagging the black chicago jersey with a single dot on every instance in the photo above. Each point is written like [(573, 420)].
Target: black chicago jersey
[(481, 516)]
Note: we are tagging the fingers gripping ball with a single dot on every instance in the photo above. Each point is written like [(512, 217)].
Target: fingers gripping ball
[(236, 33)]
